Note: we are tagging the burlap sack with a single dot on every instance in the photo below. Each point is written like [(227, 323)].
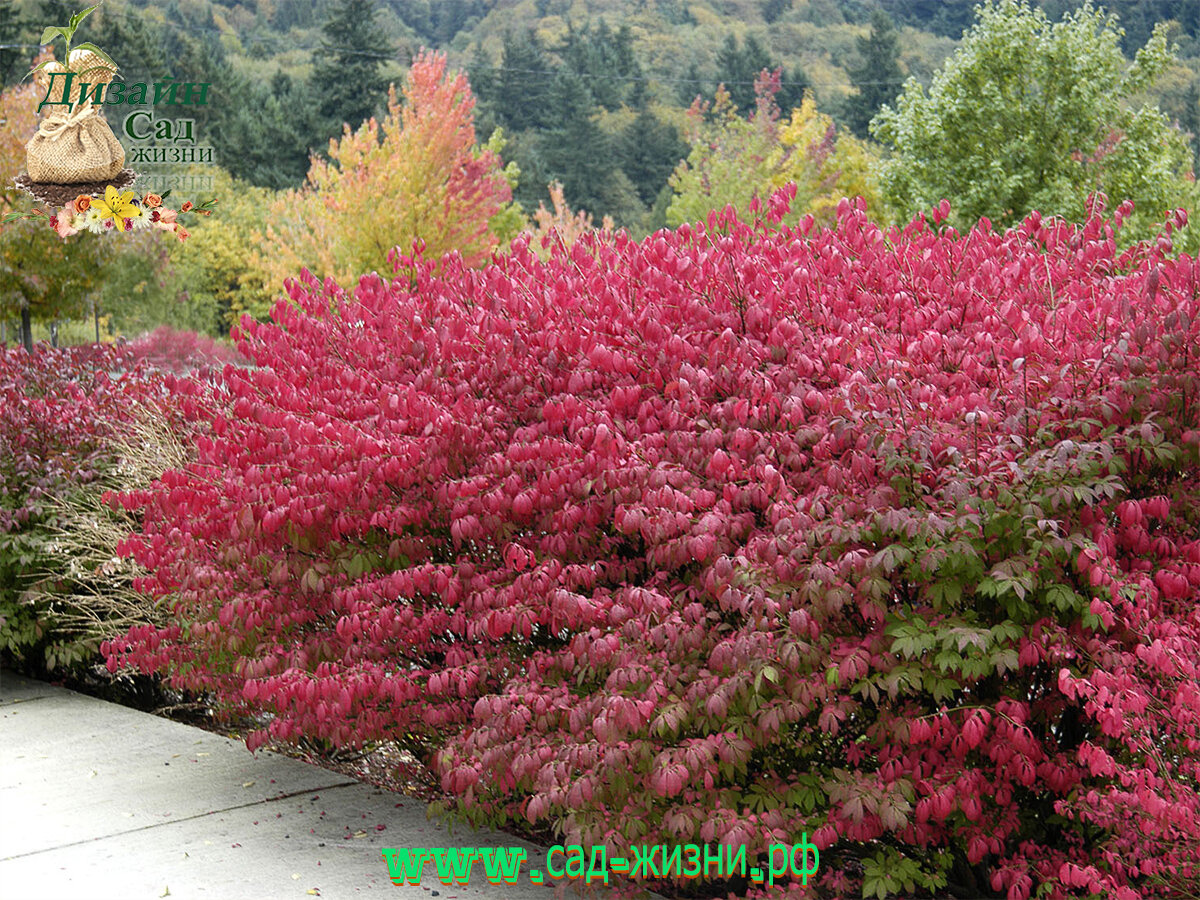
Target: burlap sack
[(74, 145)]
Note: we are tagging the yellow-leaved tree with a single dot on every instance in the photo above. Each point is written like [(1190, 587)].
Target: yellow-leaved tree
[(825, 164), (418, 175), (736, 160)]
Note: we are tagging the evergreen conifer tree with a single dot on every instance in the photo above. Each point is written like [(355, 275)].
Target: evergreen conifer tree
[(346, 77), (11, 58), (650, 150), (522, 90), (576, 151), (878, 76), (738, 67)]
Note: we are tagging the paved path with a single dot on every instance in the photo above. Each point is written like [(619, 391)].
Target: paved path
[(101, 802)]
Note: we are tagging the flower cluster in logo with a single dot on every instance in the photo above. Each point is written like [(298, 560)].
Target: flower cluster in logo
[(121, 211)]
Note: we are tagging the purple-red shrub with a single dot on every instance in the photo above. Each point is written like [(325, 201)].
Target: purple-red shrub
[(886, 537)]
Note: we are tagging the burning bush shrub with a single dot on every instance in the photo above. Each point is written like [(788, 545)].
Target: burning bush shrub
[(739, 533)]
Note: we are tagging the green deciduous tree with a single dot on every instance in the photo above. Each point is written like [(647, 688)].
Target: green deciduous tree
[(45, 278), (727, 164), (1190, 119), (134, 291), (214, 278), (42, 277), (824, 164), (1030, 114)]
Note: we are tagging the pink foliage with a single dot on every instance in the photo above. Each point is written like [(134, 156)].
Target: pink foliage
[(731, 534)]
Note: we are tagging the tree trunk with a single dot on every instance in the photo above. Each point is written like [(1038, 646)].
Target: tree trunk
[(96, 318), (54, 333), (26, 327)]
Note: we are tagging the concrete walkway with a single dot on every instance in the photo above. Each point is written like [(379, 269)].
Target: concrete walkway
[(101, 802)]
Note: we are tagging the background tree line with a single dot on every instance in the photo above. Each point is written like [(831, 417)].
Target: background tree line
[(595, 103)]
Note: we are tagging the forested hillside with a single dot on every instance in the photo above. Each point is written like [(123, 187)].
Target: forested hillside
[(590, 93)]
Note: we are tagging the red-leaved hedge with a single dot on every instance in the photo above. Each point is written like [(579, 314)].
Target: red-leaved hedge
[(729, 535)]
